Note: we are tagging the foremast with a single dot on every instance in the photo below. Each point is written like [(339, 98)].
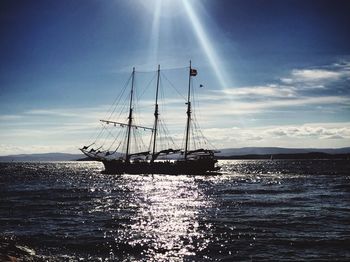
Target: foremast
[(127, 156)]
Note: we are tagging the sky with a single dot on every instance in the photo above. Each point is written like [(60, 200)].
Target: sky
[(274, 73)]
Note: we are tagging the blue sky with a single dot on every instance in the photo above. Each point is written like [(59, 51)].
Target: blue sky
[(275, 73)]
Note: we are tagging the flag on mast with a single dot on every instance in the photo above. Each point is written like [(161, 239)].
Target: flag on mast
[(193, 72)]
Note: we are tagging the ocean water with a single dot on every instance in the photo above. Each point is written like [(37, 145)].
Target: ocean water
[(294, 210)]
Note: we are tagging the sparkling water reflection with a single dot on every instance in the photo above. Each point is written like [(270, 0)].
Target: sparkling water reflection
[(263, 210), (167, 220)]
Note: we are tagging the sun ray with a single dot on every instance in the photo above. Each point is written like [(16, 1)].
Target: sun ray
[(154, 41), (206, 43)]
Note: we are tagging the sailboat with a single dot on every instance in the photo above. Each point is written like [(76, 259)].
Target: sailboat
[(153, 161)]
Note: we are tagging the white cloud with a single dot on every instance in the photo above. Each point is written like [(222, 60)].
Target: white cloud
[(287, 80), (80, 112), (258, 91), (315, 75), (9, 117), (320, 132), (305, 135), (50, 112), (227, 107)]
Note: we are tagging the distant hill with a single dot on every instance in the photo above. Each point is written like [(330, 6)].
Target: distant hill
[(279, 151), (236, 153), (41, 157), (284, 153)]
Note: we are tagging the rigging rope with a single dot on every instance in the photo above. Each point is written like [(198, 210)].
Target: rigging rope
[(173, 86), (117, 99), (163, 69), (147, 86)]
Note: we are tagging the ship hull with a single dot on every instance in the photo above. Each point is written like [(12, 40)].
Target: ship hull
[(189, 167)]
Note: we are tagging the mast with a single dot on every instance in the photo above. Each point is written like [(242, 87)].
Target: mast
[(156, 114), (127, 157), (188, 112)]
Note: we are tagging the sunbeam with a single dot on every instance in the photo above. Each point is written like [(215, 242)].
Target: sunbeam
[(154, 41), (206, 44)]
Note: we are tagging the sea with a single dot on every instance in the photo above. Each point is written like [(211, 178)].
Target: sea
[(255, 210)]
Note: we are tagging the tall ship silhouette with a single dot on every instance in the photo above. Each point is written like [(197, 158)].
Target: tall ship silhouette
[(122, 152)]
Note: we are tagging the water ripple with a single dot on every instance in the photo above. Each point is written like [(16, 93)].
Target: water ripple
[(255, 210)]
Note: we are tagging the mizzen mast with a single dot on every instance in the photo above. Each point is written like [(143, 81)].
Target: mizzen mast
[(188, 112)]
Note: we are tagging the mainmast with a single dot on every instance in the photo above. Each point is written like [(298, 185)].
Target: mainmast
[(188, 111), (127, 157), (156, 114)]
